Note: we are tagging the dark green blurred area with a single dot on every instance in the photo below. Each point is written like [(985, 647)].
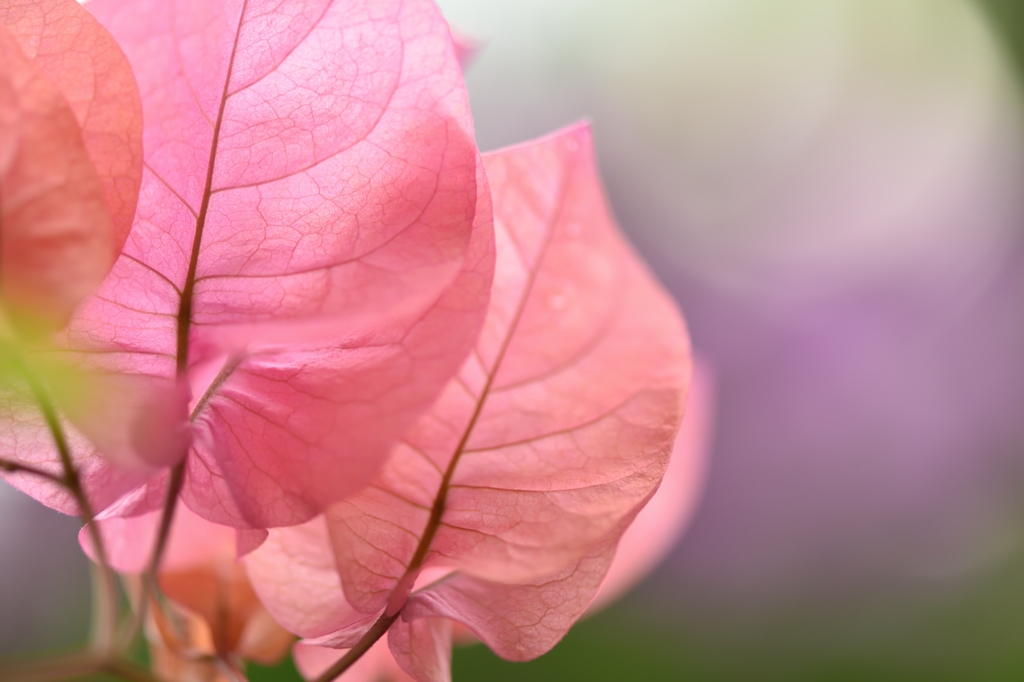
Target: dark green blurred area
[(1007, 17), (958, 632)]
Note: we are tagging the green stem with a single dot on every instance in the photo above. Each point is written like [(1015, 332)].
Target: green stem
[(105, 613)]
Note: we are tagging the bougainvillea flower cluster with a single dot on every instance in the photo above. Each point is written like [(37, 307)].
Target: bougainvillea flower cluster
[(334, 373)]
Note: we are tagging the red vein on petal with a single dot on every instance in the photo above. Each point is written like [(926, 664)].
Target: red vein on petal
[(437, 511), (177, 479), (185, 310)]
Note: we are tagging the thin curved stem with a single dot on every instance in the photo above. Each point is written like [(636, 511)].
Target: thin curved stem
[(174, 485), (107, 605), (19, 468), (184, 324), (375, 632)]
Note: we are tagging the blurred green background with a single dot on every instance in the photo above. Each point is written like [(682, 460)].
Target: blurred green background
[(832, 189)]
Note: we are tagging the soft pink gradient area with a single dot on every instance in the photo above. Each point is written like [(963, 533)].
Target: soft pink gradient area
[(70, 48), (326, 145), (314, 203), (67, 183), (57, 236), (376, 665), (193, 542), (552, 437)]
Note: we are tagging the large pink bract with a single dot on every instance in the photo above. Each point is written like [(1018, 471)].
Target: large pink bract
[(309, 263), (654, 531), (515, 488), (70, 165), (70, 157), (416, 386)]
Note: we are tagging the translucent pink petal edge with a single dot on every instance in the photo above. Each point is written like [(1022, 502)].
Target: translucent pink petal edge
[(519, 482)]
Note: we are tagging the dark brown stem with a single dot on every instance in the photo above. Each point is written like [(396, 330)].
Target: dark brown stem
[(375, 632), (17, 467), (174, 485), (184, 318)]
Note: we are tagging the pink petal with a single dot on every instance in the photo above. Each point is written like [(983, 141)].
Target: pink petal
[(138, 421), (56, 247), (193, 543), (24, 435), (327, 146), (56, 236), (116, 412), (128, 542), (376, 665), (651, 535), (345, 252), (553, 436), (248, 540), (644, 544), (77, 55), (559, 426), (293, 573), (285, 416), (658, 526), (423, 648), (196, 542), (521, 621)]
